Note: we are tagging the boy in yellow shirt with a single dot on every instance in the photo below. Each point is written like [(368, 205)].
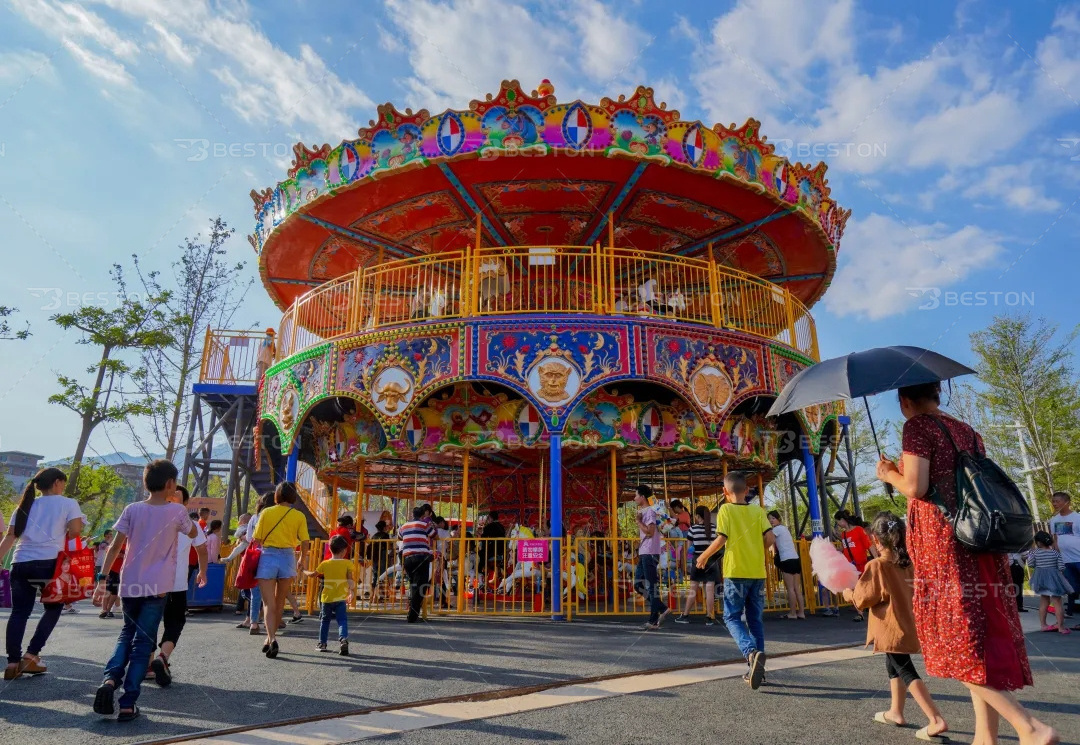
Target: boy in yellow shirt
[(338, 589), (744, 532)]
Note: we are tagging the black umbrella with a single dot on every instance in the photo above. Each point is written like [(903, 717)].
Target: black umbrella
[(863, 374)]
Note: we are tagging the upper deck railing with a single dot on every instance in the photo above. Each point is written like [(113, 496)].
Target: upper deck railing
[(510, 280)]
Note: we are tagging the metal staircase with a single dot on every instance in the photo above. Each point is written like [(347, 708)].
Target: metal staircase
[(221, 431)]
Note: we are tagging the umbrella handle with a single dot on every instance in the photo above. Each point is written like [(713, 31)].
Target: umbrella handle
[(888, 487)]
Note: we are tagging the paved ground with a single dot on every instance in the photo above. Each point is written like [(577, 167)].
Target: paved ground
[(830, 704), (222, 681)]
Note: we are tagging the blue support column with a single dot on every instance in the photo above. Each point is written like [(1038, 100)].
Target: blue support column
[(816, 525), (294, 458), (556, 527)]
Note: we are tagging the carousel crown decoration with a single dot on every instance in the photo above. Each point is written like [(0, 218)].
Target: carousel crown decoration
[(633, 126)]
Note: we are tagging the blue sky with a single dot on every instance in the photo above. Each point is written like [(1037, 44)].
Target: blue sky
[(970, 112)]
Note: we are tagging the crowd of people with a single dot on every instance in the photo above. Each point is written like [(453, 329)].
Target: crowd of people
[(921, 591)]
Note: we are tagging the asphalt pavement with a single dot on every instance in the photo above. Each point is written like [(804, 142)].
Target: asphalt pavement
[(221, 680)]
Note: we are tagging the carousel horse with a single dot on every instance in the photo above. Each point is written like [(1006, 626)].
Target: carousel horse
[(522, 569)]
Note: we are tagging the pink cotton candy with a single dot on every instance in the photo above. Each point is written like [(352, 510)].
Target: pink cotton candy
[(832, 568)]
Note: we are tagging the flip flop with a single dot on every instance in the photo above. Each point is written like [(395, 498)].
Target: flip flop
[(924, 734), (127, 716), (880, 718)]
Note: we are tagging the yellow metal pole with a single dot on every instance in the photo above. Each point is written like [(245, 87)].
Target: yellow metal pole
[(361, 497), (613, 528), (540, 495), (474, 274), (761, 488), (461, 533), (334, 505)]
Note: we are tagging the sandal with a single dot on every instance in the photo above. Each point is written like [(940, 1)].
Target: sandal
[(1049, 628), (103, 698), (12, 671), (273, 652), (881, 718), (1064, 630), (127, 716), (924, 734)]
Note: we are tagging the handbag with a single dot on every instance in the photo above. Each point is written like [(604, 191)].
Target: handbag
[(991, 515), (5, 588), (249, 562), (73, 578)]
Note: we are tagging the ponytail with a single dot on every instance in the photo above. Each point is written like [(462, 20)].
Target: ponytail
[(45, 479), (891, 533), (706, 516)]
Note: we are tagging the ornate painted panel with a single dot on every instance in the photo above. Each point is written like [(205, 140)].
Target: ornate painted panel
[(552, 363)]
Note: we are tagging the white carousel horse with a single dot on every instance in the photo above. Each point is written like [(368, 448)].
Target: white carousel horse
[(522, 569)]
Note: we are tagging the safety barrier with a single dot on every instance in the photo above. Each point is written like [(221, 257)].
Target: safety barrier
[(507, 280), (497, 583), (230, 357)]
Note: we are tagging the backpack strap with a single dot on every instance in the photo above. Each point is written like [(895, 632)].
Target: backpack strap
[(948, 434)]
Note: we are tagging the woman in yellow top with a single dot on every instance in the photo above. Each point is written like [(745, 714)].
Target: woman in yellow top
[(280, 530)]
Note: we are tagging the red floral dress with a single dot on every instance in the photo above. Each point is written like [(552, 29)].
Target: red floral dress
[(967, 624)]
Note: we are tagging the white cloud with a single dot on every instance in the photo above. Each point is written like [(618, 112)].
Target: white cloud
[(1058, 56), (75, 26), (72, 21), (106, 68), (17, 68), (885, 264), (171, 45), (759, 58), (387, 41), (263, 83), (462, 49), (954, 104), (612, 45), (1014, 186)]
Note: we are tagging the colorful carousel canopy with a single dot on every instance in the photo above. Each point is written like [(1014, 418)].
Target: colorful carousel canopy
[(539, 172)]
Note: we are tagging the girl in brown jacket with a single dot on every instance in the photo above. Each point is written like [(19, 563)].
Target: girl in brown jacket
[(885, 590)]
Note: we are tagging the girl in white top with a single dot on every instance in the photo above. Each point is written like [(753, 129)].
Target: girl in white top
[(787, 561), (39, 529)]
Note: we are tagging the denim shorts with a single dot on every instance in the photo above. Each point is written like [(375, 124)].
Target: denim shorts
[(276, 563)]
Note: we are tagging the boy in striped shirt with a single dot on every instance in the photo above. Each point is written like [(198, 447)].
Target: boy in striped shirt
[(416, 555)]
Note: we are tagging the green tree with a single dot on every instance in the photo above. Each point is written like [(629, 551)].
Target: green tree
[(8, 496), (1026, 368), (134, 324), (208, 291), (95, 485), (6, 334)]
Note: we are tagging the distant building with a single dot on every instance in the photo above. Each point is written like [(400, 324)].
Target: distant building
[(132, 474), (19, 467)]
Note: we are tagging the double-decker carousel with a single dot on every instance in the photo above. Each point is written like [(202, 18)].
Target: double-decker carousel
[(526, 305)]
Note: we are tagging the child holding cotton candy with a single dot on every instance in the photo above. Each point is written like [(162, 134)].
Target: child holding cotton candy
[(885, 591)]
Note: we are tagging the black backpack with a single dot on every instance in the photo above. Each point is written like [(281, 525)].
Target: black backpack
[(992, 515)]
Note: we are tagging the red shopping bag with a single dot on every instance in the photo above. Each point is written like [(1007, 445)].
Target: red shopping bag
[(73, 579), (249, 563)]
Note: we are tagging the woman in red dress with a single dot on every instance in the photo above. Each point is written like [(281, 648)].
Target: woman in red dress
[(967, 623)]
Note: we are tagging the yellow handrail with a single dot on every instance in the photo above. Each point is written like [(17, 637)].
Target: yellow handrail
[(511, 280)]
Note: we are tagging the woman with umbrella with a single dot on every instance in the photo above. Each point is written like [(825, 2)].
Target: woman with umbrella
[(968, 625)]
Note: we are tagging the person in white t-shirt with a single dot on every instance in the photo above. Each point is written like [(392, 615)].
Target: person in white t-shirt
[(787, 561), (175, 616), (101, 549), (40, 526), (1065, 527)]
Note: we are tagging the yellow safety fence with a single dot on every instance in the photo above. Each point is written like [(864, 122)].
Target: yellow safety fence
[(497, 584)]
